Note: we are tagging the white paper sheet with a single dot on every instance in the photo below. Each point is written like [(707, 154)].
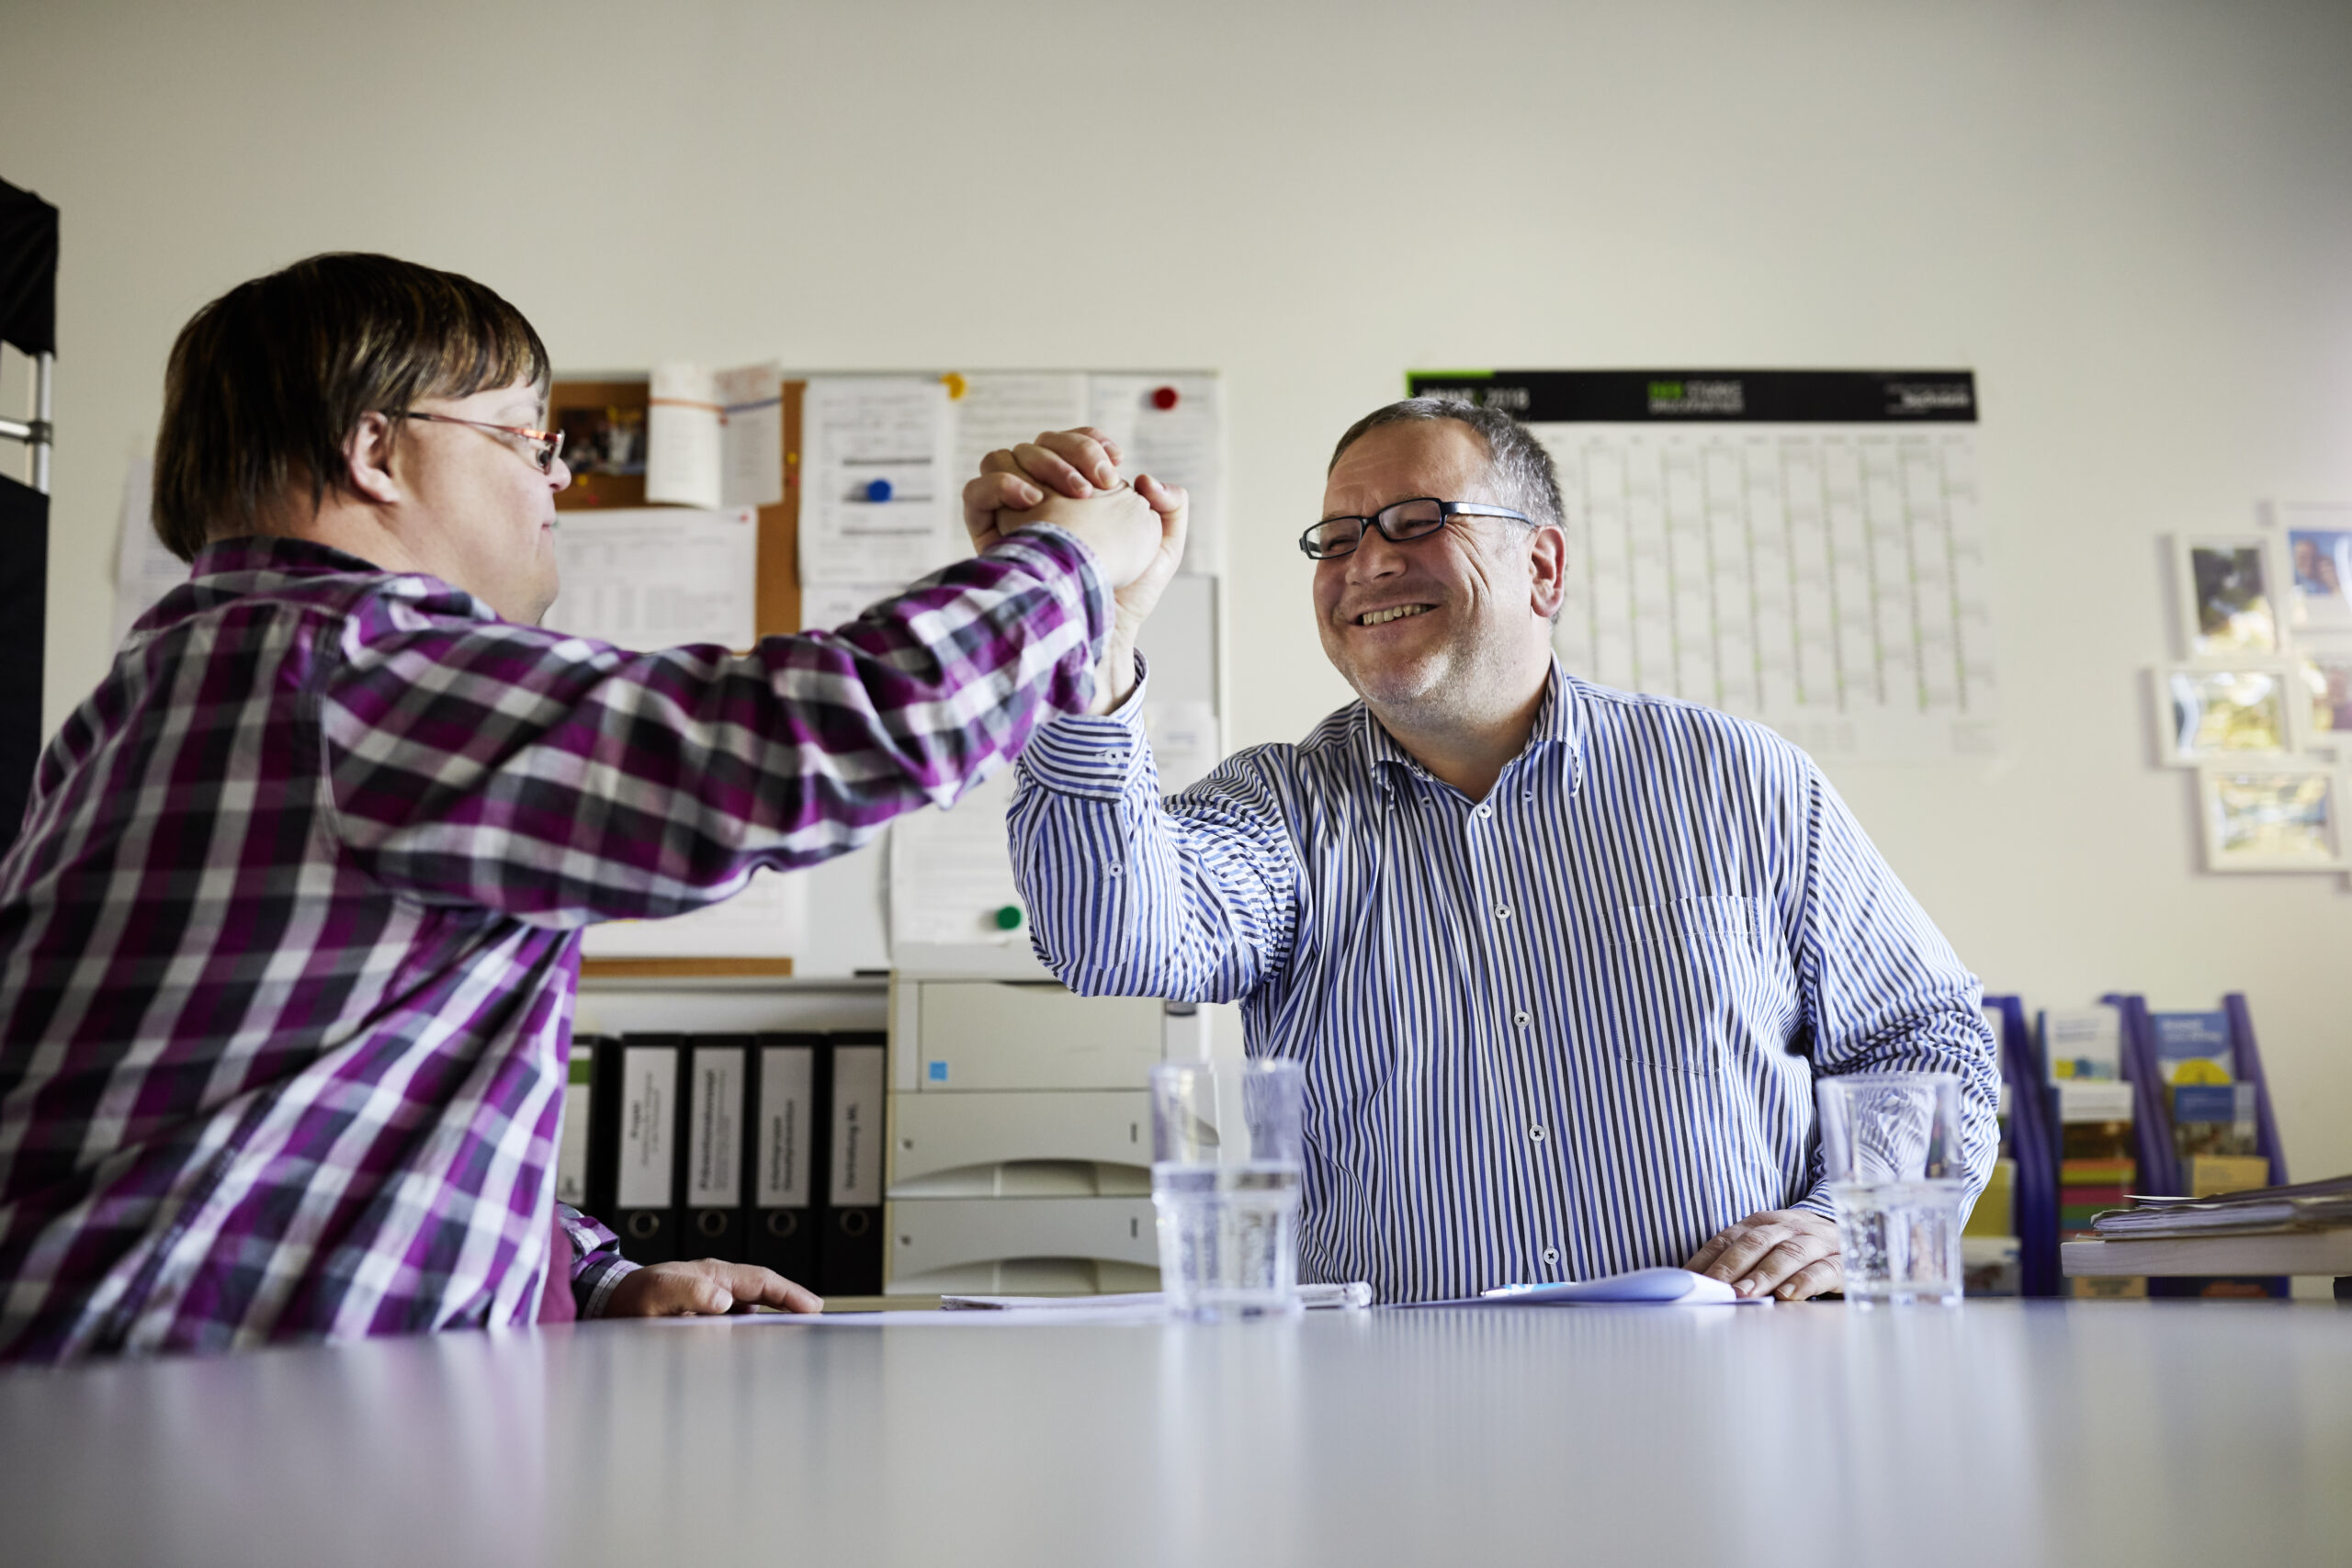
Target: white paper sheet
[(769, 918), (1828, 580), (1016, 1317), (1182, 445), (659, 577), (999, 410), (824, 605), (751, 435), (951, 872), (877, 500), (1184, 745), (682, 446), (143, 570)]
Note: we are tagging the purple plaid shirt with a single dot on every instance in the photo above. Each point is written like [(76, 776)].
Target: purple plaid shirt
[(290, 941)]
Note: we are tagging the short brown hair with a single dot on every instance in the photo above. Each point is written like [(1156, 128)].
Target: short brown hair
[(266, 383)]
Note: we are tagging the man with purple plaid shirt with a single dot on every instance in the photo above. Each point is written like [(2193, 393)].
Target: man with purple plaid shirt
[(289, 939)]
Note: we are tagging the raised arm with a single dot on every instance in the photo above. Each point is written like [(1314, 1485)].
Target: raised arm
[(1195, 897), (563, 780)]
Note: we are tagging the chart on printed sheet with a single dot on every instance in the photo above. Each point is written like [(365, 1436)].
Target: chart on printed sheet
[(1799, 547)]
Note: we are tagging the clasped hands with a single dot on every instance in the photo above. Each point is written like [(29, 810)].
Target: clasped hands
[(1071, 479)]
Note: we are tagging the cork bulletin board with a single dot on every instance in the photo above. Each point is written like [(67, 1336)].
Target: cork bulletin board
[(604, 423)]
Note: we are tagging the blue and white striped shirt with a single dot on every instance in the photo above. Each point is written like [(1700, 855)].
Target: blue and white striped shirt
[(1563, 1031)]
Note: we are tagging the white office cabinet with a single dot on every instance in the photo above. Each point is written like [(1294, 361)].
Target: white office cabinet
[(1020, 1144), (1021, 1246), (955, 1035)]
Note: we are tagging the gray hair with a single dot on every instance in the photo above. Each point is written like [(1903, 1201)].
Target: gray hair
[(1517, 468)]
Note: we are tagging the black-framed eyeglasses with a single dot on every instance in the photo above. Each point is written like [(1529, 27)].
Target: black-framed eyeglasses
[(1399, 524), (540, 448)]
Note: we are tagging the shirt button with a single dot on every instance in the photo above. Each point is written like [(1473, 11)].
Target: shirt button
[(1536, 1133), (1551, 1255), (1502, 911), (1520, 1019), (1483, 811), (1113, 868)]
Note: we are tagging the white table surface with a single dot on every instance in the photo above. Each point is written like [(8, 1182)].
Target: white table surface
[(2209, 1433)]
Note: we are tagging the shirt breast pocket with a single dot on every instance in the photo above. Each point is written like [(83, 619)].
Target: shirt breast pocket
[(1689, 979)]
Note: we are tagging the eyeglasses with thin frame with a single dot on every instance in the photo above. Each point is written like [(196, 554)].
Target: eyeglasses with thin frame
[(540, 448), (1398, 523)]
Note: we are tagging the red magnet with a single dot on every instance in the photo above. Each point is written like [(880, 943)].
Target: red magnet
[(1164, 399)]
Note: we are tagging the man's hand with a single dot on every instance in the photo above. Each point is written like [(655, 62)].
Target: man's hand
[(706, 1289), (1793, 1253), (1015, 480), (1075, 463)]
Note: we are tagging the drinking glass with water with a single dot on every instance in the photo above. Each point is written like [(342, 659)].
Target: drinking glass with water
[(1228, 1153), (1891, 1150)]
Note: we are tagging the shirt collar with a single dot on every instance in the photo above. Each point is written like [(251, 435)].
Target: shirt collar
[(1559, 725), (274, 554)]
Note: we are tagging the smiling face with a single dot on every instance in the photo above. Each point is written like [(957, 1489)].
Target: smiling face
[(480, 513), (1447, 627)]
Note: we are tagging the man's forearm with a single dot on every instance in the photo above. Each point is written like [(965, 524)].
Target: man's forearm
[(1115, 678)]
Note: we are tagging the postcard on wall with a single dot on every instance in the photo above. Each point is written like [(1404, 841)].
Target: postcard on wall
[(2319, 555), (2217, 713), (2228, 609), (2322, 695), (2276, 817)]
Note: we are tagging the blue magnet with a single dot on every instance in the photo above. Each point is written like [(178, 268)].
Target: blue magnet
[(877, 490)]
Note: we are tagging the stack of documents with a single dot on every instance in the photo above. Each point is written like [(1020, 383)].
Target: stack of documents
[(2311, 1205)]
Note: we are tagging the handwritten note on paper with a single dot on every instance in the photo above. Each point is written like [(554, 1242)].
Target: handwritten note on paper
[(769, 918), (1171, 427), (751, 435), (659, 577), (681, 461), (877, 504), (1003, 410)]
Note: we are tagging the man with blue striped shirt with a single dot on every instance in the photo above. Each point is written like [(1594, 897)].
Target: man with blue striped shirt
[(1560, 962)]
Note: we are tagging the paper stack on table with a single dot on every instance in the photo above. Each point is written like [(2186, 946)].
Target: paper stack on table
[(2310, 1205)]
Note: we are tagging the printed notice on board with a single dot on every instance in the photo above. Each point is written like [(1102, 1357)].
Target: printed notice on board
[(769, 918), (1800, 547), (880, 501), (1001, 410), (658, 577), (951, 873), (1173, 427)]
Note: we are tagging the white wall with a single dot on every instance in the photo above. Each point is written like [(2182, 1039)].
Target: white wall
[(2130, 220)]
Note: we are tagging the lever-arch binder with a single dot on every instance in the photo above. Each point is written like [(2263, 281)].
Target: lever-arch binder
[(784, 1155), (710, 1201), (849, 1261)]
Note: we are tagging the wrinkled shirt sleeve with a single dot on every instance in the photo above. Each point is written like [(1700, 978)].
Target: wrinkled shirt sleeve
[(563, 780)]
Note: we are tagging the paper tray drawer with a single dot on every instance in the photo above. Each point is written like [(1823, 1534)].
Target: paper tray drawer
[(933, 1134), (929, 1235), (992, 1035)]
